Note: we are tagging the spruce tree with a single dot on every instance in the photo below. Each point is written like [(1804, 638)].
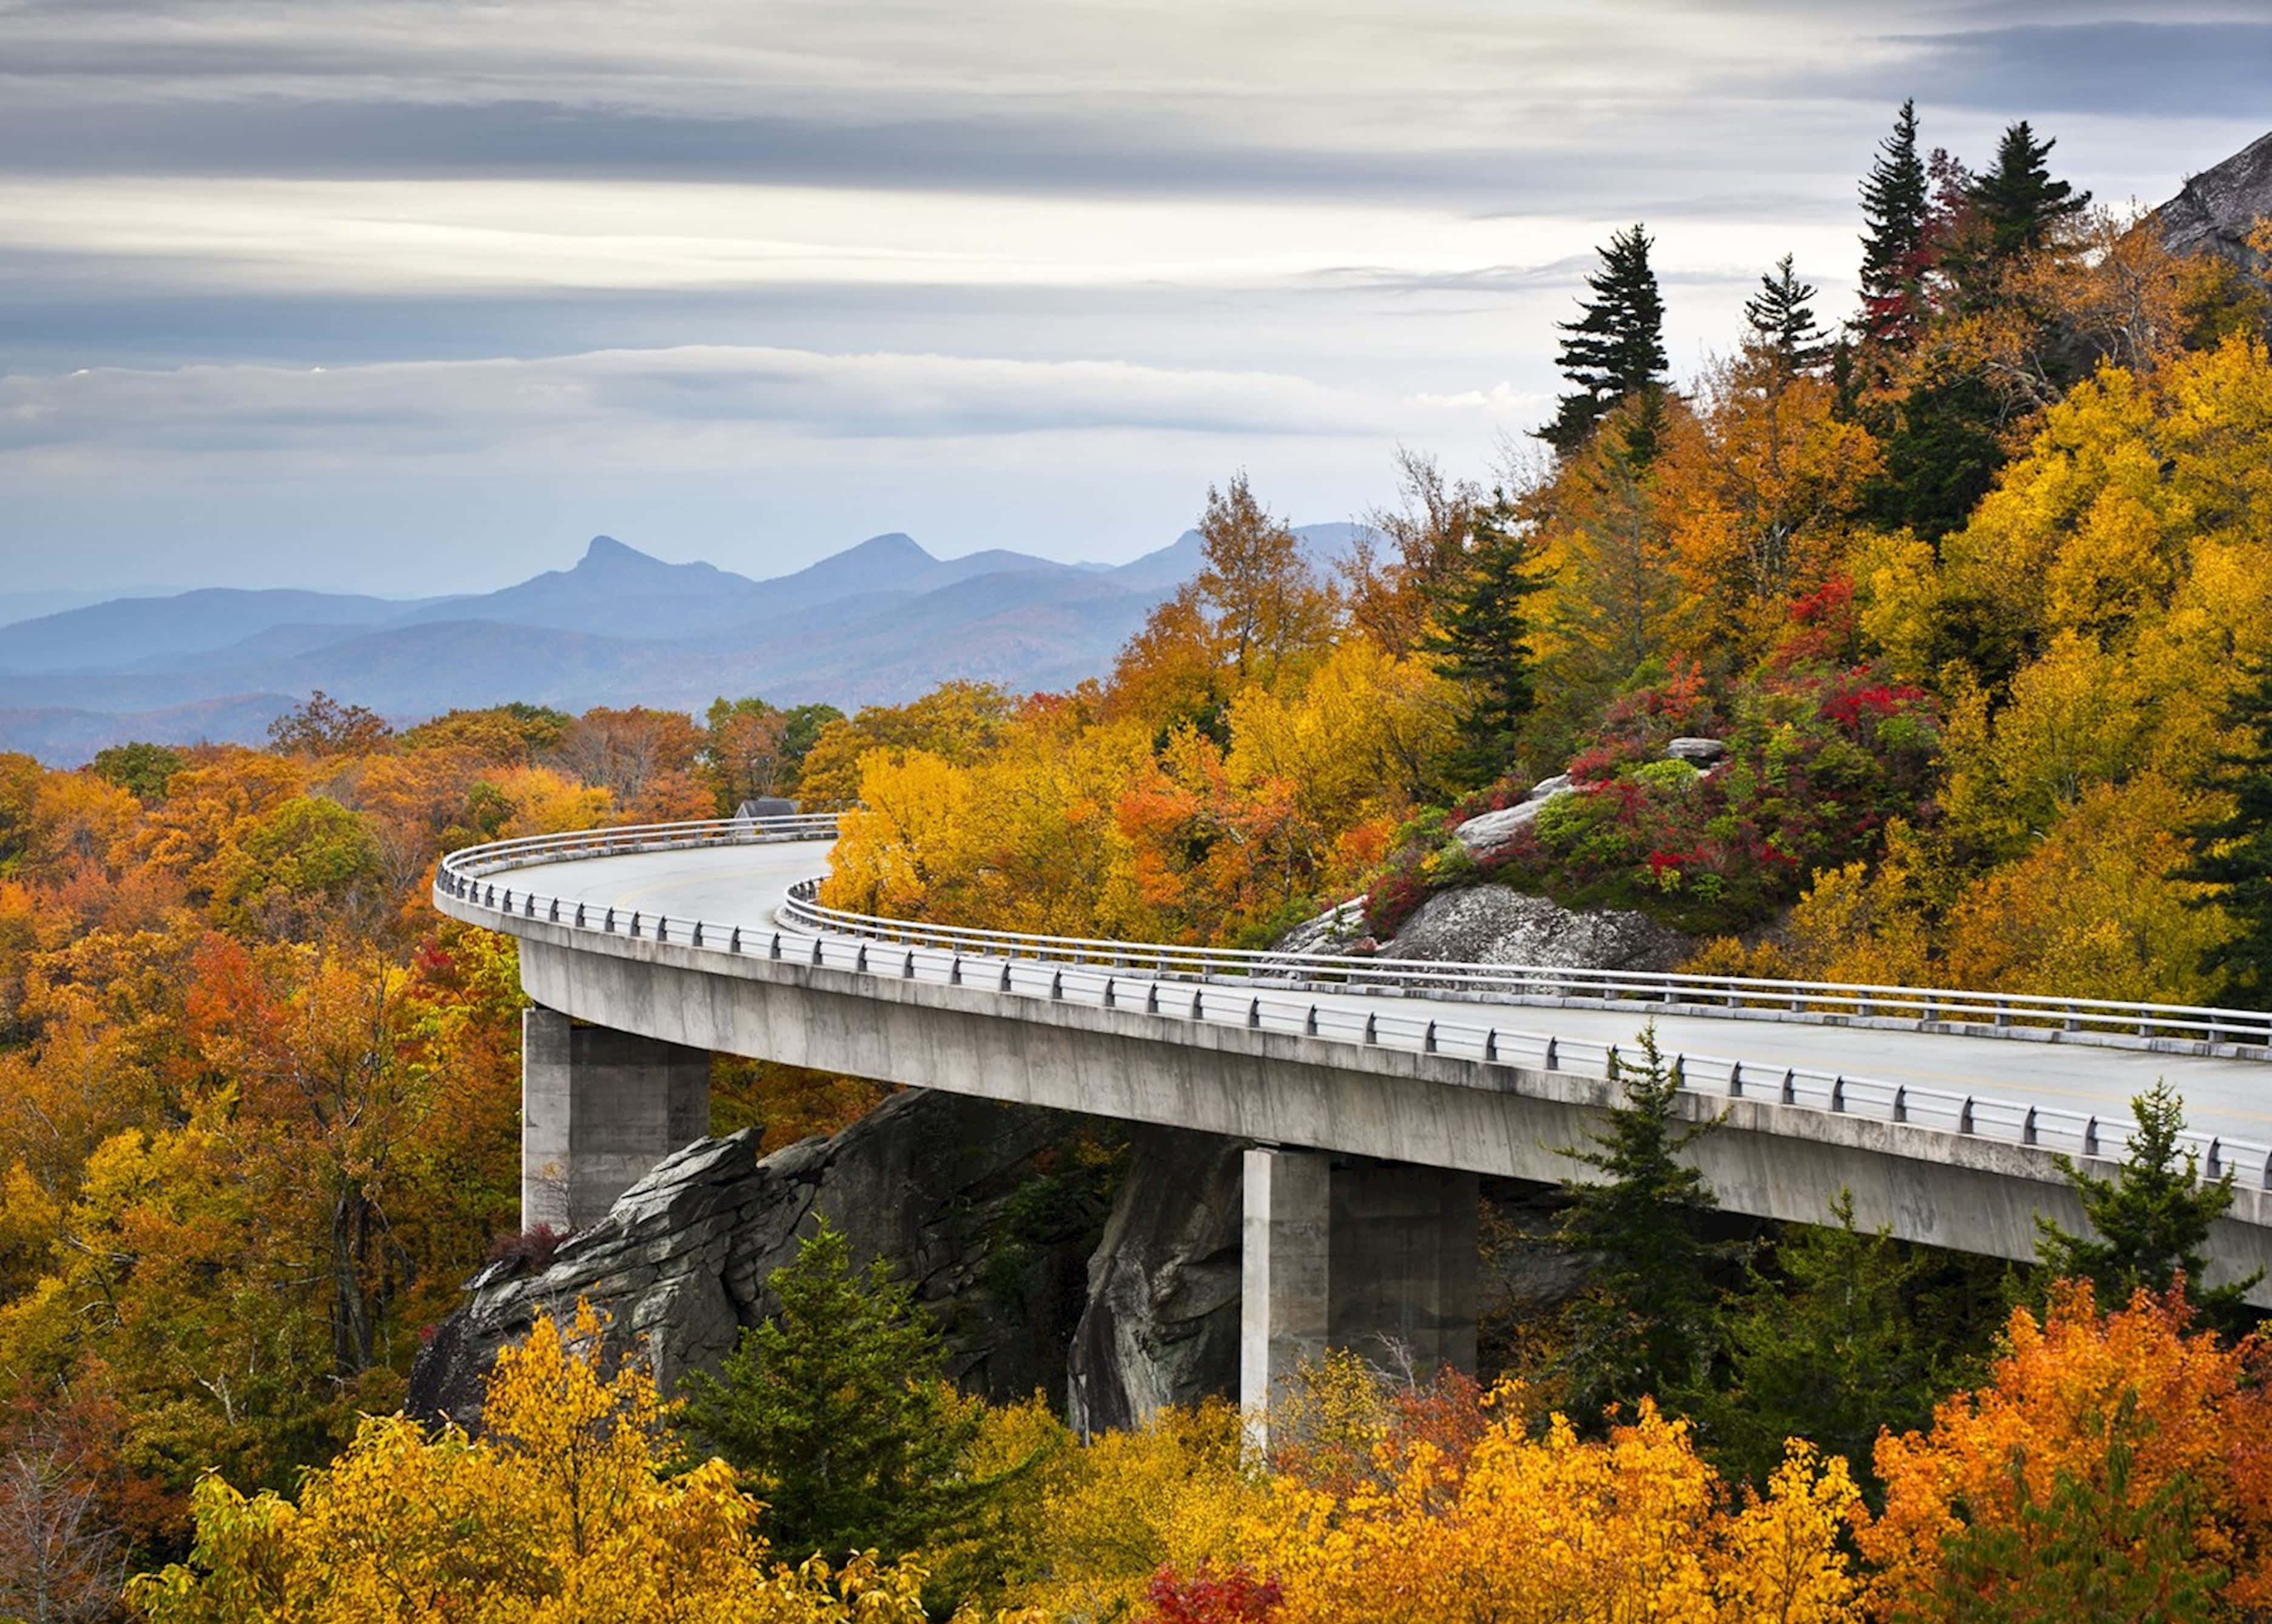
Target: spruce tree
[(1481, 642), (836, 1411), (2150, 1222), (2234, 853), (1824, 1344), (1895, 203), (1780, 317), (1616, 347), (2017, 201), (1644, 1327)]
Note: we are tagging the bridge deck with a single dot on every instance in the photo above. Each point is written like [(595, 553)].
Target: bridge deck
[(2231, 1097)]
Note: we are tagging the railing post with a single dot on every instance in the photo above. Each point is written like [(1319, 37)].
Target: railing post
[(1901, 1102), (1790, 1085), (610, 924), (2210, 1166), (859, 958), (1056, 984), (818, 960), (1005, 974), (1679, 1071), (662, 927), (2091, 1137), (1428, 1039), (1491, 1044), (907, 971), (1108, 991), (1309, 1022), (555, 911), (1838, 1093), (1254, 1011), (1371, 1027), (954, 971), (1735, 1079), (1152, 998), (1964, 1116), (698, 933), (1198, 1004), (1553, 1055), (2027, 1128)]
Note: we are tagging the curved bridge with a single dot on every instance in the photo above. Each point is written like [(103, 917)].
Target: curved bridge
[(1943, 1112)]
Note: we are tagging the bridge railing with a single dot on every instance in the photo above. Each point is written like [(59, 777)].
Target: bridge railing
[(1278, 991)]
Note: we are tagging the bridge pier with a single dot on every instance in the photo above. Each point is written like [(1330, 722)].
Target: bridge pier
[(1380, 1259), (599, 1108)]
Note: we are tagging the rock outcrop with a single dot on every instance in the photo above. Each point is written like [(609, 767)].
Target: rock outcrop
[(1487, 832), (940, 1184), (1497, 925), (2218, 208), (1161, 1325)]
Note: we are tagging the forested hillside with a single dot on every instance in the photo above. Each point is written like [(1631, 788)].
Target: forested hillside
[(1975, 596)]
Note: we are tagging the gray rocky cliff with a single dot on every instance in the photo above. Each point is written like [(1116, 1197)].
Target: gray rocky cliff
[(971, 1200), (2220, 206), (1162, 1324)]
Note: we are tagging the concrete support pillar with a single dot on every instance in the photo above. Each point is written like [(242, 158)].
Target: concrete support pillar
[(598, 1108), (1284, 1279), (1380, 1259), (1405, 1256)]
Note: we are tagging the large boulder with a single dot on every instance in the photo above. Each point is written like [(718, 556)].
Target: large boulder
[(1161, 1326), (1487, 832), (929, 1181), (1497, 925)]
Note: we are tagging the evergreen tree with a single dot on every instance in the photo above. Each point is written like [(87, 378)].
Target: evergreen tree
[(1616, 347), (1824, 1344), (2234, 853), (1481, 642), (2150, 1221), (1895, 202), (2017, 201), (1780, 317), (1644, 1327), (837, 1411)]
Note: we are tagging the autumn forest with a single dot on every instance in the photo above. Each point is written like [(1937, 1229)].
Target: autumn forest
[(1975, 591)]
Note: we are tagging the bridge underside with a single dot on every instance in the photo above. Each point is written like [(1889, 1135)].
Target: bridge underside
[(1373, 1254)]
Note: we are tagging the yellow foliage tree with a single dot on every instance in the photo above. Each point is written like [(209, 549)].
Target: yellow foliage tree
[(1562, 1529), (563, 1512)]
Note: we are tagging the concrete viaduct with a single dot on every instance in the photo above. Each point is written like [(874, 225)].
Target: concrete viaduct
[(1371, 1093)]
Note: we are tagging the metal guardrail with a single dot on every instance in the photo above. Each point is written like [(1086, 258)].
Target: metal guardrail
[(1264, 991)]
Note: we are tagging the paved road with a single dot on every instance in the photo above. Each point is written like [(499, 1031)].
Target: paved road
[(742, 884)]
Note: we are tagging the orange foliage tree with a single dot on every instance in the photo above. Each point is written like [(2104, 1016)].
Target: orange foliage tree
[(2115, 1465)]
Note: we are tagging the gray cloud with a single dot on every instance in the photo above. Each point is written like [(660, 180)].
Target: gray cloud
[(1042, 258)]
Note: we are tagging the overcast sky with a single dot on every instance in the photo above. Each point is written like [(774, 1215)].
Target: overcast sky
[(410, 296)]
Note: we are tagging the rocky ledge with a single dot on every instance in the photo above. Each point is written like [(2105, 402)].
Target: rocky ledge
[(950, 1189)]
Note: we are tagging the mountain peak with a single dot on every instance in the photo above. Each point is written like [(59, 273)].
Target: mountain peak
[(893, 546), (607, 553)]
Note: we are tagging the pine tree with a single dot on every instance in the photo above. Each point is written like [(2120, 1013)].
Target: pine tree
[(2017, 201), (2234, 853), (2150, 1221), (1895, 203), (1481, 642), (1824, 1344), (1616, 347), (1780, 317), (1644, 1327), (837, 1411)]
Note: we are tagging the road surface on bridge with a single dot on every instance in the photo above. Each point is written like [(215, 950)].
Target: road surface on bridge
[(727, 885)]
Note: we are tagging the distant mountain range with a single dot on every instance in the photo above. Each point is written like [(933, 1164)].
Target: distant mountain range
[(877, 623)]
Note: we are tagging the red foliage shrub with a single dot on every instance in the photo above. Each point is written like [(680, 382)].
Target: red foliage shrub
[(1211, 1596)]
